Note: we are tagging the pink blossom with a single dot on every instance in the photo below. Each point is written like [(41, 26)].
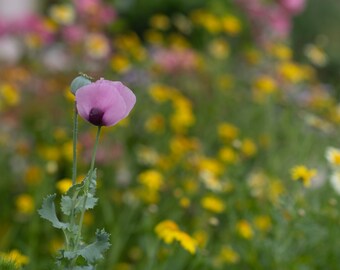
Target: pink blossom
[(74, 33), (171, 60), (280, 22), (104, 103), (95, 11), (293, 6)]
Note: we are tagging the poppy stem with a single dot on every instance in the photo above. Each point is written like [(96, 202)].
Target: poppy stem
[(74, 165), (87, 184), (75, 141)]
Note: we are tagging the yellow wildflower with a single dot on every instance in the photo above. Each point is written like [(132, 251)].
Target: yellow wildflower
[(151, 179), (248, 148), (210, 165), (155, 124), (227, 132), (62, 14), (282, 52), (25, 204), (161, 93), (120, 63), (63, 185), (263, 223), (16, 257), (183, 117), (229, 255), (231, 25), (244, 229), (292, 72), (206, 19), (187, 242), (219, 48), (97, 45), (213, 204), (169, 232), (228, 155), (265, 84), (303, 174), (160, 22), (184, 202), (9, 94), (180, 145)]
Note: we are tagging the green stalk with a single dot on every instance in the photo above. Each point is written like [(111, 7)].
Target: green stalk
[(75, 141), (74, 167), (87, 184)]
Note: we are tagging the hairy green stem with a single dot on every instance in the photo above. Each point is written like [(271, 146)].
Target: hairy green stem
[(74, 167), (87, 184), (75, 139)]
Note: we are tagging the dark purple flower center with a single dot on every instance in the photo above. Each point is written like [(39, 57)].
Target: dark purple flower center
[(96, 116)]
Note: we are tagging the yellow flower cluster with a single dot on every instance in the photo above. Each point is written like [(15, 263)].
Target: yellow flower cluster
[(182, 117), (214, 24), (169, 232), (16, 257), (302, 173), (213, 204), (244, 229)]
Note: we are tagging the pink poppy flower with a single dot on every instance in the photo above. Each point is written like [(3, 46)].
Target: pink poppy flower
[(104, 103)]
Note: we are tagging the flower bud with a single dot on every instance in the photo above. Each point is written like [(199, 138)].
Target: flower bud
[(78, 82)]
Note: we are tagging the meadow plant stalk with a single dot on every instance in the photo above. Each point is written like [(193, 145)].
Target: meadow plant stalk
[(75, 142), (87, 184)]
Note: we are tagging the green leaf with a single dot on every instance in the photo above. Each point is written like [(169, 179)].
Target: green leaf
[(48, 212), (76, 188), (93, 182), (90, 202), (66, 204), (92, 252)]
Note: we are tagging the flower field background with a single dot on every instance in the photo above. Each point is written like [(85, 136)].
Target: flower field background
[(229, 159)]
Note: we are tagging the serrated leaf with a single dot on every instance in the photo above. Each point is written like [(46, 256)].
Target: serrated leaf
[(93, 182), (48, 212), (92, 252), (66, 204), (90, 202)]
